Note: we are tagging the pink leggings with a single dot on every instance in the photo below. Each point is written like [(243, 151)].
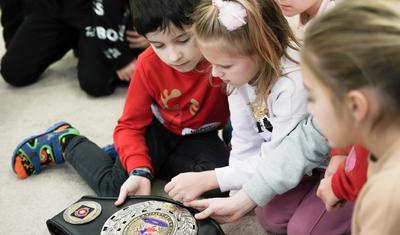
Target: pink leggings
[(300, 212)]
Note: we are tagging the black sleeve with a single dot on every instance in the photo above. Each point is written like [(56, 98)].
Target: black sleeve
[(109, 26)]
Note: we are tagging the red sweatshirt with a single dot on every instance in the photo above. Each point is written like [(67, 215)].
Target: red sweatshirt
[(185, 103), (351, 174)]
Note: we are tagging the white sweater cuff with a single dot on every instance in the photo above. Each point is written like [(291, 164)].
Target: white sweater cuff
[(227, 179)]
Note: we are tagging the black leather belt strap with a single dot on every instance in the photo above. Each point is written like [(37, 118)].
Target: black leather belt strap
[(57, 224)]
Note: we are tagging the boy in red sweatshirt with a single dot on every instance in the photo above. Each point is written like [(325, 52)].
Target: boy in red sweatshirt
[(170, 119), (178, 133)]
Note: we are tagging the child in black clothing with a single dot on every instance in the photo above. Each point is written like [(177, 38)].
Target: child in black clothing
[(98, 32)]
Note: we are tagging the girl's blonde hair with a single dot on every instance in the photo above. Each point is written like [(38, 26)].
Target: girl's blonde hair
[(357, 45), (266, 34)]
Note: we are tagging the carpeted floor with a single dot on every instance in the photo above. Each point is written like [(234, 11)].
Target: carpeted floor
[(25, 205)]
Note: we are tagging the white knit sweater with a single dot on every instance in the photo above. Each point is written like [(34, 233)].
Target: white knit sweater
[(287, 106)]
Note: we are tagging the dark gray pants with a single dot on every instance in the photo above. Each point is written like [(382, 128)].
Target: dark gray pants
[(171, 154)]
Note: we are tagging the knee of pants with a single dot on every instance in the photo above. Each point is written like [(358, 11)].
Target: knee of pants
[(14, 75), (302, 227), (317, 221), (298, 228), (97, 90), (304, 224), (271, 220), (96, 87)]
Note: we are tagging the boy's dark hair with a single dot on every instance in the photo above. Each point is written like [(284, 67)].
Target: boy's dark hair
[(152, 15)]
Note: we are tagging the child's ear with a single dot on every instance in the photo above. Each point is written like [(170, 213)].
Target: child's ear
[(357, 105)]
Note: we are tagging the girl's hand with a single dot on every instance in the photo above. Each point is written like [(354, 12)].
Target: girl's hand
[(134, 185), (326, 194), (189, 186), (223, 210), (334, 164)]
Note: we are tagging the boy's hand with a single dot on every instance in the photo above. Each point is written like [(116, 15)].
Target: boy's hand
[(134, 185), (334, 164), (223, 210), (126, 72), (189, 186), (136, 40), (326, 194)]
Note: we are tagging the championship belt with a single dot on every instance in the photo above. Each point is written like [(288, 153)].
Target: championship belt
[(139, 215)]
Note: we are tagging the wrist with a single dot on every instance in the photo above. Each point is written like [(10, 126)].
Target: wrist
[(143, 172), (210, 179), (243, 199)]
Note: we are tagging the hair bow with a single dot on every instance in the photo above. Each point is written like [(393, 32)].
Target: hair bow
[(231, 14)]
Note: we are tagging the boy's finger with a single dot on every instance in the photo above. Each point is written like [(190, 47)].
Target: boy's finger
[(123, 194), (168, 187)]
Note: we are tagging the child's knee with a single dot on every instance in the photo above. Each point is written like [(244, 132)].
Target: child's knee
[(299, 227), (97, 89), (14, 75), (271, 221), (317, 221)]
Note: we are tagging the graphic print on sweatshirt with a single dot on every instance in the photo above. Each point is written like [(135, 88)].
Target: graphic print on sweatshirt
[(166, 96), (260, 114), (169, 101)]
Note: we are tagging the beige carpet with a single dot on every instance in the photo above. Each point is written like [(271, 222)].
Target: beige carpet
[(25, 205)]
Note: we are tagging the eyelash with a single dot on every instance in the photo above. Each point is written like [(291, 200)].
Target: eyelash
[(184, 41), (226, 67), (180, 42)]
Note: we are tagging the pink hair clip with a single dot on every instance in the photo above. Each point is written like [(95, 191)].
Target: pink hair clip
[(231, 14)]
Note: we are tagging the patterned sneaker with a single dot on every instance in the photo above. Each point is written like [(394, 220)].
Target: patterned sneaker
[(39, 151)]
